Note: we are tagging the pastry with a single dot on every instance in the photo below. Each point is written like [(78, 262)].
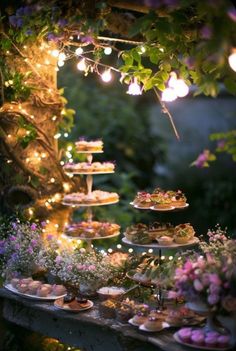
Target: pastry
[(178, 199), (139, 318), (165, 240), (153, 324), (138, 234), (43, 291), (223, 341), (161, 201), (33, 287), (156, 230), (86, 167), (58, 290), (95, 197), (185, 334), (26, 280), (143, 200), (94, 145), (107, 309), (23, 288), (198, 338), (183, 233), (92, 229), (14, 282), (211, 341)]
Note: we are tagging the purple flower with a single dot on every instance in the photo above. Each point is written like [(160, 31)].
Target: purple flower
[(69, 268), (34, 242), (58, 259), (33, 226), (43, 224), (52, 37), (213, 299), (29, 32), (91, 267), (28, 10), (62, 22), (17, 246), (12, 238), (14, 226), (2, 243), (214, 279), (20, 12), (206, 33), (214, 289), (19, 22), (2, 250), (197, 285), (14, 256), (30, 250), (232, 13), (190, 62), (88, 39), (13, 21), (49, 237)]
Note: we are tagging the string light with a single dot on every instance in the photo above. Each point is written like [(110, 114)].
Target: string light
[(66, 135), (69, 148), (52, 180), (178, 85), (79, 51), (54, 118), (134, 88), (119, 246), (131, 250), (169, 95), (108, 50), (57, 136), (31, 212), (66, 187), (62, 56), (110, 250), (81, 65), (150, 250), (60, 63), (232, 60), (62, 163), (55, 53), (142, 49), (106, 76)]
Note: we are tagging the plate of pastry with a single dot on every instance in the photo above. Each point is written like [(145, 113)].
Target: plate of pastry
[(73, 304), (34, 289)]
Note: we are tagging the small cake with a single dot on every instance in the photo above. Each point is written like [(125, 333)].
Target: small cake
[(156, 230), (183, 233), (198, 338), (153, 324), (14, 282), (211, 341), (33, 287), (143, 200), (68, 298), (139, 318), (162, 201), (112, 292), (94, 145), (83, 302), (23, 288), (58, 290), (43, 291), (26, 280), (138, 234), (107, 309), (86, 167), (165, 240), (185, 334), (223, 341), (178, 199)]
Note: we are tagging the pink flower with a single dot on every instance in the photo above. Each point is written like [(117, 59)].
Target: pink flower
[(205, 279), (58, 259), (214, 279), (198, 286), (91, 267), (213, 299), (172, 295), (214, 289), (69, 268)]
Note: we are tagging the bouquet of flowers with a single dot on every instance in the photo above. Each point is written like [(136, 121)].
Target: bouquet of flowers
[(20, 250)]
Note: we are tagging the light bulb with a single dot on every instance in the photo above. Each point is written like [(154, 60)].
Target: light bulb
[(142, 49), (106, 76), (81, 66), (232, 61), (108, 50), (168, 95), (60, 63), (79, 51), (62, 56), (134, 88), (69, 148), (181, 88), (55, 53)]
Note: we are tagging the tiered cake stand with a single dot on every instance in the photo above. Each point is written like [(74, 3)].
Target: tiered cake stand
[(157, 249), (89, 182)]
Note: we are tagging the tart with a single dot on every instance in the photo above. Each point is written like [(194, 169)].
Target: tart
[(162, 201), (139, 318), (95, 197), (143, 200), (92, 229), (165, 240), (138, 234), (153, 324), (178, 199), (86, 167), (58, 290), (156, 230), (183, 233), (93, 145)]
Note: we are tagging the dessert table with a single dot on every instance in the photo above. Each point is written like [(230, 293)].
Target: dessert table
[(85, 329)]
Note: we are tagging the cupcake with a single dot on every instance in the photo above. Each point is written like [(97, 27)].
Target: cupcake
[(197, 338), (143, 200), (23, 288), (211, 341), (26, 280), (107, 309), (178, 199), (33, 287), (185, 335), (58, 290), (165, 240), (153, 324), (223, 341), (139, 318), (43, 291)]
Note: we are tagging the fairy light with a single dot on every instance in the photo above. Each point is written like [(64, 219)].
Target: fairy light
[(169, 95), (66, 187), (79, 51), (134, 88), (56, 225), (71, 161), (36, 154), (47, 221), (43, 155), (31, 212), (178, 85), (62, 56), (150, 250), (171, 258), (55, 53), (60, 63), (52, 180), (69, 148), (131, 250), (110, 250), (66, 135), (68, 154), (106, 76), (9, 136), (54, 118), (162, 258), (38, 65), (142, 49), (108, 50), (119, 246), (81, 65), (62, 163), (232, 60), (27, 160), (9, 161), (57, 136), (32, 116), (47, 62)]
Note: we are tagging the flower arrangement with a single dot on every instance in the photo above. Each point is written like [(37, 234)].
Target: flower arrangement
[(20, 250), (81, 267)]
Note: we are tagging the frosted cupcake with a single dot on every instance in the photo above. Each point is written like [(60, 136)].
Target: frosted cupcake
[(185, 335)]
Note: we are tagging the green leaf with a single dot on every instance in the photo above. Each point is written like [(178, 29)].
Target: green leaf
[(230, 85), (34, 181)]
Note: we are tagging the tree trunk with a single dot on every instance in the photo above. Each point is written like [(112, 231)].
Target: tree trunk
[(31, 177)]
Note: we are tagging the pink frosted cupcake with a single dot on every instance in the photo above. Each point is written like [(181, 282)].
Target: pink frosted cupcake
[(214, 334), (185, 334), (198, 339), (223, 341), (211, 341)]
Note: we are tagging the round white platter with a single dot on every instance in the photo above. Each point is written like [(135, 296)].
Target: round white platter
[(34, 297)]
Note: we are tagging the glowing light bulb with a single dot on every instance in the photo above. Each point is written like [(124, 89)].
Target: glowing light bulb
[(181, 88), (69, 148), (81, 66), (130, 250), (57, 136), (31, 212), (79, 51), (66, 135), (134, 88), (232, 61), (52, 180), (60, 63), (55, 53), (142, 49), (108, 50), (62, 163), (62, 56), (110, 250), (106, 76), (172, 80), (119, 246), (168, 95), (66, 187)]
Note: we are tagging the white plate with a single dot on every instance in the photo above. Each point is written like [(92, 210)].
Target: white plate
[(172, 208), (68, 309), (164, 325), (130, 321), (215, 348), (89, 152), (88, 239), (194, 241), (138, 207), (88, 173), (89, 205), (34, 297)]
